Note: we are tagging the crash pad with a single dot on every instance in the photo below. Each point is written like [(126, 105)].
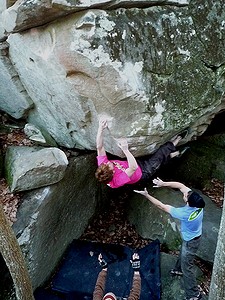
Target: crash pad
[(79, 269)]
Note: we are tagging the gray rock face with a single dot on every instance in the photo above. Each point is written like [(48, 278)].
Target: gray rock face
[(13, 96), (146, 69), (50, 218), (24, 15), (2, 25), (28, 168), (153, 223), (39, 135)]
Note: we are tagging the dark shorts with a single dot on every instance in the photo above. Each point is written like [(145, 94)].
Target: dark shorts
[(151, 163)]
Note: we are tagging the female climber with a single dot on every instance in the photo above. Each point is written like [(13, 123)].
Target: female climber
[(116, 173)]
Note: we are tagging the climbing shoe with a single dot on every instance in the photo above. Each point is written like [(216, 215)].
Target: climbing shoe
[(182, 151)]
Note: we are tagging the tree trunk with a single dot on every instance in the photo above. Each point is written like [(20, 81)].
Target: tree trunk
[(12, 254), (217, 287)]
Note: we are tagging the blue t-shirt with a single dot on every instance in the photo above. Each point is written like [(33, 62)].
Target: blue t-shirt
[(191, 221)]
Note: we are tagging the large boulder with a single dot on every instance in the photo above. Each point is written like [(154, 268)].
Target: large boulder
[(28, 168), (146, 69), (50, 218), (151, 222)]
